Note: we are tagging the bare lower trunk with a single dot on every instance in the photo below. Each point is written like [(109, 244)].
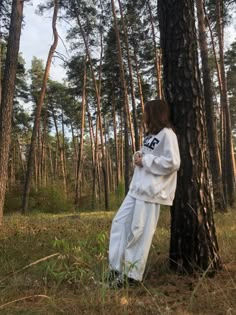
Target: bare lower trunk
[(8, 87)]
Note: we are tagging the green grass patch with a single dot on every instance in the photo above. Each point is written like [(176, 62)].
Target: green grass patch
[(45, 200), (57, 263)]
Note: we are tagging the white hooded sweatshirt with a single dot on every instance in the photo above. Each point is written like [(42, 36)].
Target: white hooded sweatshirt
[(156, 181)]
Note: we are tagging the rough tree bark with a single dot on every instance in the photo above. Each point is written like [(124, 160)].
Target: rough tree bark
[(8, 88), (193, 244)]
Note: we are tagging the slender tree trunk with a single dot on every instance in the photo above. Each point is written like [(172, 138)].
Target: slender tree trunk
[(80, 155), (61, 151), (91, 133), (209, 109), (51, 164), (115, 140), (157, 63), (125, 109), (136, 135), (38, 112), (44, 152), (193, 245), (11, 177), (93, 143), (228, 163), (56, 171), (8, 87), (139, 82), (36, 171), (95, 166), (214, 51), (142, 126), (98, 97), (39, 157), (75, 153), (63, 155), (20, 155)]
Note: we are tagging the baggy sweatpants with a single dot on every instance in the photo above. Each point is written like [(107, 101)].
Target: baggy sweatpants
[(131, 236)]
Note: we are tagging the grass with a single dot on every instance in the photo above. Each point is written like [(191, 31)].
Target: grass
[(56, 264)]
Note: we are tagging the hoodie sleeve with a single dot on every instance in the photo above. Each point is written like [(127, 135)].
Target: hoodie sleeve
[(166, 162)]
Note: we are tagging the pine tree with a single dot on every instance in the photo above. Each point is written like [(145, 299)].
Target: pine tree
[(193, 243)]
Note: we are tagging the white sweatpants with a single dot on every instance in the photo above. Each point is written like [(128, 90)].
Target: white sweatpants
[(131, 236)]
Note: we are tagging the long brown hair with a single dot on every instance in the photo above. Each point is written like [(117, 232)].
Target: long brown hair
[(156, 116)]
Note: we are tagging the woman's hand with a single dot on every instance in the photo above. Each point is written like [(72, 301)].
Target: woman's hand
[(138, 159)]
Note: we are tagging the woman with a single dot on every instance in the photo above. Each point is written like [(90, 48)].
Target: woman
[(153, 184)]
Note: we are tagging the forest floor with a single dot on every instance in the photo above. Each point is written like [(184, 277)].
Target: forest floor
[(56, 264)]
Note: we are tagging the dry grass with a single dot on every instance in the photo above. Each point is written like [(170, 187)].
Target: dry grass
[(72, 282)]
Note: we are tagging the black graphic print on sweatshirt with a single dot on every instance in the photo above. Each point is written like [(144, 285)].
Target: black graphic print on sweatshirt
[(150, 142)]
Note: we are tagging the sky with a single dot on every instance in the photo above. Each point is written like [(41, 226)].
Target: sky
[(37, 37)]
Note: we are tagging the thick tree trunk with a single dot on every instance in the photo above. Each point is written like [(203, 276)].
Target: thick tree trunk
[(1, 52), (210, 116), (38, 113), (228, 161), (193, 243), (8, 88)]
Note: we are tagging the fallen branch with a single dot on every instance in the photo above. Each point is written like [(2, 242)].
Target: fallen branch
[(25, 298), (30, 265)]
